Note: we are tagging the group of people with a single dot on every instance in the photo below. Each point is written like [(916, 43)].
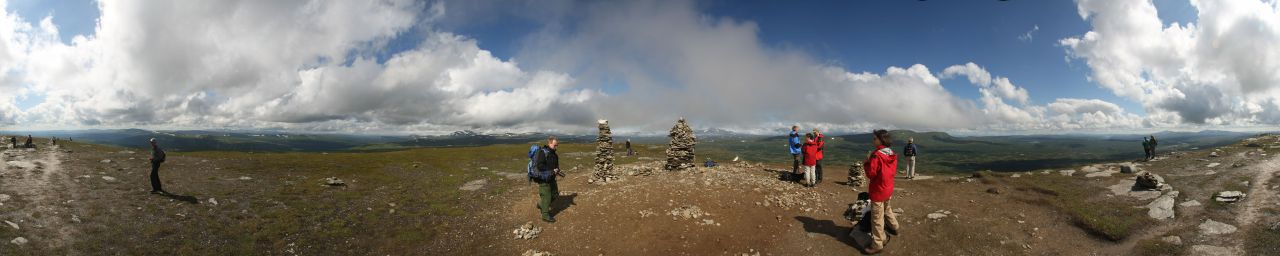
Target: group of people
[(1149, 147), (13, 141), (807, 153), (881, 165)]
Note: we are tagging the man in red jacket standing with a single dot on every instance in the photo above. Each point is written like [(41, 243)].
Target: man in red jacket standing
[(881, 165)]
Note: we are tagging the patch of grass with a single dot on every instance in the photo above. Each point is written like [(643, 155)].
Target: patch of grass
[(1106, 218), (1157, 247)]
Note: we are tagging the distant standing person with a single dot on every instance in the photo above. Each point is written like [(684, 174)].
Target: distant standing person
[(881, 165), (817, 164), (1153, 147), (547, 164), (157, 158), (810, 149), (629, 151), (910, 152), (793, 143), (1146, 149), (14, 140)]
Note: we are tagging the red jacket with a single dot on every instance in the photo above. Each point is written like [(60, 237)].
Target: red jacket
[(810, 150), (818, 153), (881, 166)]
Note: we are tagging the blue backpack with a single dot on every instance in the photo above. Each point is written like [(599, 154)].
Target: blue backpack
[(534, 173)]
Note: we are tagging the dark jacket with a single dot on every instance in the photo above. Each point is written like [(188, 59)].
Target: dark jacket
[(546, 162), (157, 155), (909, 150)]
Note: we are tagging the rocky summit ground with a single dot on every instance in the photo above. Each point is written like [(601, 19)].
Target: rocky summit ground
[(85, 199)]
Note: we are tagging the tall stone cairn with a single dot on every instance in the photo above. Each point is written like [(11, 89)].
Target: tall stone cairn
[(680, 152), (857, 177), (604, 156)]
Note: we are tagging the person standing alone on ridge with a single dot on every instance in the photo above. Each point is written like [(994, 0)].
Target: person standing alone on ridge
[(157, 158), (910, 152)]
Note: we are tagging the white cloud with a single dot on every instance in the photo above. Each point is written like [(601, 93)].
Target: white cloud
[(1030, 34), (296, 64), (1218, 70), (998, 86)]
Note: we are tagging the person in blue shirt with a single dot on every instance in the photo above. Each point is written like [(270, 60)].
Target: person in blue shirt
[(793, 142)]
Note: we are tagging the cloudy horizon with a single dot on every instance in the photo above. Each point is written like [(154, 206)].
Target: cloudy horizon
[(431, 67)]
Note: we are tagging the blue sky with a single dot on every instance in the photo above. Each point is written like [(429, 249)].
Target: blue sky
[(518, 65)]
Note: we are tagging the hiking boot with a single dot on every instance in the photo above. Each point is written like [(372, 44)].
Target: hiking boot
[(549, 219), (891, 231), (157, 192), (874, 250)]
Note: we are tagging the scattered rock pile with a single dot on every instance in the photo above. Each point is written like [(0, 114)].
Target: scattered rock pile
[(527, 231), (640, 169), (1148, 181), (604, 156), (532, 252), (687, 212), (680, 153), (857, 177)]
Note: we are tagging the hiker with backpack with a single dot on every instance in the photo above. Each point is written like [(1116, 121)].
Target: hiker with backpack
[(881, 165), (910, 152), (157, 158), (544, 167)]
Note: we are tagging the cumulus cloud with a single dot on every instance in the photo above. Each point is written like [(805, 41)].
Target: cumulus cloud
[(297, 64), (1218, 70)]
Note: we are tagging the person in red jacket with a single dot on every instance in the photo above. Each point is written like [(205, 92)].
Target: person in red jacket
[(810, 149), (881, 165), (817, 165)]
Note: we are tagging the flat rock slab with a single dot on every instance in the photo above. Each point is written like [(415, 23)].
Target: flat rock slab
[(1192, 203), (474, 185), (1213, 250), (1162, 207), (1106, 173), (1210, 227)]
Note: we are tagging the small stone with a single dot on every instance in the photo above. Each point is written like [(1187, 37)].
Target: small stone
[(1191, 203), (109, 178), (245, 178), (994, 191), (1174, 240), (11, 224), (213, 201), (18, 241), (105, 161), (334, 181), (1211, 165)]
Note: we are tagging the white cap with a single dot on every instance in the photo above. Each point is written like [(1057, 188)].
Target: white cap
[(152, 140)]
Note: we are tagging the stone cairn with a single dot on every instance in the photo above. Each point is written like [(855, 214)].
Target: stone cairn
[(680, 152), (857, 178), (604, 156)]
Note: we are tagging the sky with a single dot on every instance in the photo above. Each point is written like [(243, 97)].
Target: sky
[(433, 67)]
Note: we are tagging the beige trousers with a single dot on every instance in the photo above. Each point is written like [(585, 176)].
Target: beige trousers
[(882, 217)]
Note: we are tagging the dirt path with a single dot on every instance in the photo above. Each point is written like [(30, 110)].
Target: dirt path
[(1260, 195), (40, 188)]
